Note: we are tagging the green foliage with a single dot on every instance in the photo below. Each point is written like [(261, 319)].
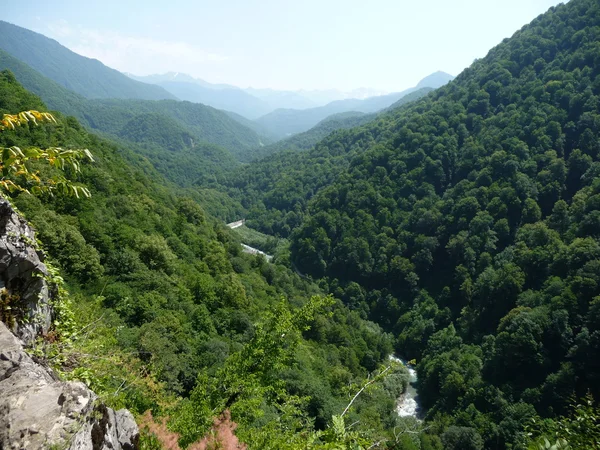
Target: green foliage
[(249, 380), (186, 142), (578, 430), (15, 163), (461, 438), (88, 77), (466, 223), (157, 313)]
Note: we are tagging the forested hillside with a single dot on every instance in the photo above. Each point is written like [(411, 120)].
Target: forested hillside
[(458, 229), (180, 148), (286, 122), (208, 124), (276, 189), (177, 309), (87, 77), (345, 120), (467, 223)]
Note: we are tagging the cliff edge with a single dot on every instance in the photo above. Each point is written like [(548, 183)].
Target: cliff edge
[(37, 409)]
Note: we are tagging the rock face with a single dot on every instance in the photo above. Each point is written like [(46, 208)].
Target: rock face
[(25, 296), (37, 410)]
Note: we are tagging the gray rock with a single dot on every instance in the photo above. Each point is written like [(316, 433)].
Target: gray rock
[(37, 410), (23, 277)]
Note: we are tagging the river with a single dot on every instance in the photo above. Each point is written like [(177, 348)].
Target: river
[(407, 404)]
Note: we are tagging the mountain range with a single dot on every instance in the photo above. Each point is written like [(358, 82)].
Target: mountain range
[(276, 105), (105, 99), (272, 98), (458, 226)]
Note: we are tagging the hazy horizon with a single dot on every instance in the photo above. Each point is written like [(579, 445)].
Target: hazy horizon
[(384, 45)]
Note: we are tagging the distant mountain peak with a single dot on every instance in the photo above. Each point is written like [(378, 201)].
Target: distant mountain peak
[(435, 80)]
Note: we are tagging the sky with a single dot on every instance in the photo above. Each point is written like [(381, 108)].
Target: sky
[(388, 45)]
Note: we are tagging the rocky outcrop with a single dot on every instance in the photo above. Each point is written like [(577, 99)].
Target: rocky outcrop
[(25, 295), (37, 410)]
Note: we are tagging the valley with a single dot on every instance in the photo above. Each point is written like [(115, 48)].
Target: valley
[(349, 269)]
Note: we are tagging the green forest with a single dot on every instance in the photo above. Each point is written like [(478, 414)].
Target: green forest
[(173, 288), (465, 224), (458, 229)]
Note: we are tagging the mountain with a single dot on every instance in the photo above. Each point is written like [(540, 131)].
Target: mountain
[(323, 96), (206, 123), (235, 100), (435, 80), (265, 135), (203, 124), (178, 77), (85, 76), (257, 102), (282, 99), (307, 139), (220, 96), (183, 312), (467, 224), (285, 122), (345, 120), (57, 97)]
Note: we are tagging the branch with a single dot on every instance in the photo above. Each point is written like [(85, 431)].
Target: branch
[(363, 388)]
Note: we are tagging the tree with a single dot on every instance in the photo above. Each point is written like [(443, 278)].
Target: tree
[(18, 166), (463, 438)]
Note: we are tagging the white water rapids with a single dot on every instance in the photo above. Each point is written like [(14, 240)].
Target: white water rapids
[(407, 404)]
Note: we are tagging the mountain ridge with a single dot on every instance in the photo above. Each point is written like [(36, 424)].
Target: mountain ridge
[(286, 122), (467, 224), (85, 76)]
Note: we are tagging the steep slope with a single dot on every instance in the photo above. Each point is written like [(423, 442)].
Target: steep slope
[(286, 122), (204, 124), (470, 220), (39, 410), (57, 97), (340, 121), (166, 312), (85, 76)]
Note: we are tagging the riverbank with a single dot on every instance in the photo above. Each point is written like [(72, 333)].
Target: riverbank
[(407, 404)]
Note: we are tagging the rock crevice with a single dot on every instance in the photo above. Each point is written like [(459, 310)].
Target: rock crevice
[(26, 295)]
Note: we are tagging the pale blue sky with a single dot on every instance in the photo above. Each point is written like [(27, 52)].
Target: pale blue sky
[(281, 44)]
